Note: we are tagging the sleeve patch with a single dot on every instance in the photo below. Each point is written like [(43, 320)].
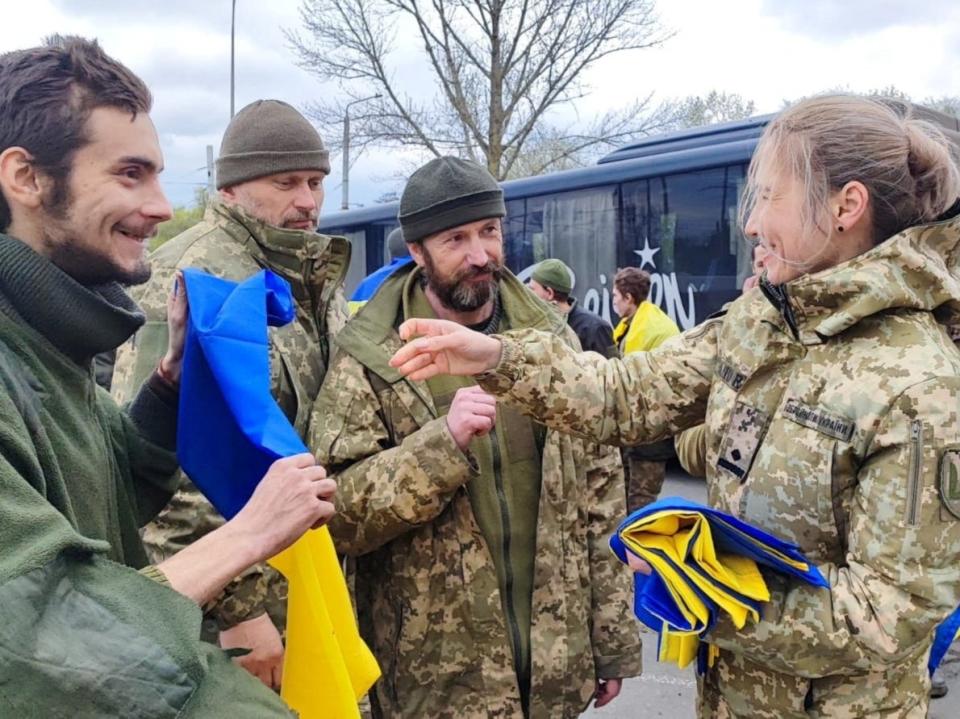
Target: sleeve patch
[(949, 484)]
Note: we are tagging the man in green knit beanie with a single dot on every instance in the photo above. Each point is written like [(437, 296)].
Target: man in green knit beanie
[(478, 538), (270, 175), (90, 628)]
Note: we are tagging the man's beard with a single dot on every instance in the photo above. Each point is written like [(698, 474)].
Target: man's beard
[(456, 293), (90, 268), (84, 264)]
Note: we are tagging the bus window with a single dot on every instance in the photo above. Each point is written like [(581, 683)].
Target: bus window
[(518, 253), (681, 229), (580, 228), (358, 260)]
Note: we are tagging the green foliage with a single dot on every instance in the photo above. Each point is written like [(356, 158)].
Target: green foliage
[(714, 107), (947, 104), (183, 219)]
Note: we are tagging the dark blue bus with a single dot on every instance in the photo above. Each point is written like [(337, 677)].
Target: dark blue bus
[(667, 204)]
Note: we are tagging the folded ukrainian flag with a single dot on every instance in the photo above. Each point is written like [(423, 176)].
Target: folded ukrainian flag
[(703, 561), (230, 430)]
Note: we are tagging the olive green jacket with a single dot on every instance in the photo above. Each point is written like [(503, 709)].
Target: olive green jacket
[(426, 587), (832, 412), (230, 244)]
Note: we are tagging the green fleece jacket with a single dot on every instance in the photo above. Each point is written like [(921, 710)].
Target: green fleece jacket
[(82, 633)]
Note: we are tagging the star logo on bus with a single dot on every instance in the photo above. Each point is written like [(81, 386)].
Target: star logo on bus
[(647, 253)]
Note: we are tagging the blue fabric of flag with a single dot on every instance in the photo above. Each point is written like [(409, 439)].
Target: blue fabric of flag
[(371, 283), (230, 429), (654, 603)]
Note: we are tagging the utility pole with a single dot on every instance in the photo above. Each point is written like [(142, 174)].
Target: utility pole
[(345, 201), (211, 183), (233, 18)]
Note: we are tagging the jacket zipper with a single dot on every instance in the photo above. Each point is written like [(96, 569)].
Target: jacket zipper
[(507, 567), (916, 466), (777, 296)]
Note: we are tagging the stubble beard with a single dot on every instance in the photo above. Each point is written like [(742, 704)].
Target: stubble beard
[(86, 265)]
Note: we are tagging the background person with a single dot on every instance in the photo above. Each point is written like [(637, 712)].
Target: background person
[(643, 327), (552, 281), (270, 174), (484, 582), (399, 256), (830, 403)]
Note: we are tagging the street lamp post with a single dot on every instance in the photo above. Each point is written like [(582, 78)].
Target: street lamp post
[(345, 202), (233, 18)]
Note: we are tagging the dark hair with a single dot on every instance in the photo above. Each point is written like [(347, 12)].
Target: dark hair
[(634, 282), (560, 295), (46, 96)]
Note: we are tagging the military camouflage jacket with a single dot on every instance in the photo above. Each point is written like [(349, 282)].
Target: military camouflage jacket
[(831, 408), (427, 594), (231, 244)]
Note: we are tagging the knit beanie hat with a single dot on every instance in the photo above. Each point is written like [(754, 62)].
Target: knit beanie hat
[(448, 192), (555, 275), (267, 137), (396, 245)]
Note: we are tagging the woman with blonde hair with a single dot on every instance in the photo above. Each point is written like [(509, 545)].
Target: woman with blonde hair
[(831, 398)]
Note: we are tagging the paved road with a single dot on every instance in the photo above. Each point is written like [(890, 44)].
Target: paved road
[(666, 691)]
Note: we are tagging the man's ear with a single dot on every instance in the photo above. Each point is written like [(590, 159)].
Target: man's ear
[(416, 252), (20, 181)]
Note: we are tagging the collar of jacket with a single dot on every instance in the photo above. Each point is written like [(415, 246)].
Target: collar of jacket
[(371, 335), (918, 269), (304, 259), (80, 321)]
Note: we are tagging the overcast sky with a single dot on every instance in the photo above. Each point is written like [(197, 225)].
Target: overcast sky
[(766, 50)]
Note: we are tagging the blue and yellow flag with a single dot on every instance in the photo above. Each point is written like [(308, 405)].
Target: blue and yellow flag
[(704, 561), (230, 430)]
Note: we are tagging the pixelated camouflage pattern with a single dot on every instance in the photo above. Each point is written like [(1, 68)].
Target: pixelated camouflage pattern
[(427, 593), (859, 348), (230, 244), (643, 479), (691, 446)]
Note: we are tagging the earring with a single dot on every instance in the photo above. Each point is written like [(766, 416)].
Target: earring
[(840, 228)]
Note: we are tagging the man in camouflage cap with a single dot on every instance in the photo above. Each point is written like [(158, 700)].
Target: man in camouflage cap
[(552, 281), (484, 584), (270, 176)]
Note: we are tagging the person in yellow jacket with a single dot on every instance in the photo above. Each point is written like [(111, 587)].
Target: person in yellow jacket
[(643, 326)]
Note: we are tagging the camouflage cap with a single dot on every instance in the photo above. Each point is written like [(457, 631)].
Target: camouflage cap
[(554, 274)]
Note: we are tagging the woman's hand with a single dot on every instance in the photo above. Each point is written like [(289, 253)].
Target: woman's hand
[(443, 347), (638, 565)]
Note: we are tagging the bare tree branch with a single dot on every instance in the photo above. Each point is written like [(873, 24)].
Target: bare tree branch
[(502, 69)]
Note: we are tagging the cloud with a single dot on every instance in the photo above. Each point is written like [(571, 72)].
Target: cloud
[(856, 18), (766, 50)]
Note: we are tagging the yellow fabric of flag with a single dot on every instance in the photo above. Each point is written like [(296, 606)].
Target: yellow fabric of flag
[(327, 667), (706, 563)]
